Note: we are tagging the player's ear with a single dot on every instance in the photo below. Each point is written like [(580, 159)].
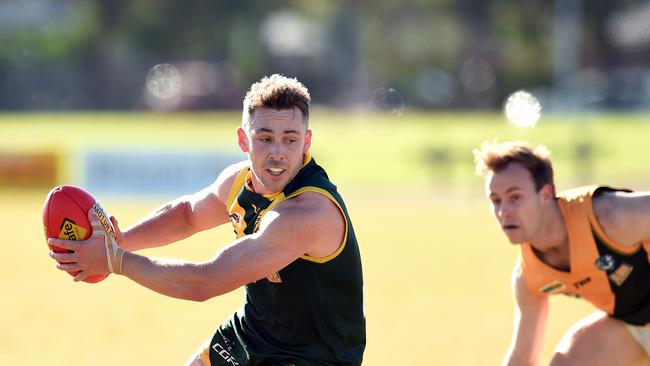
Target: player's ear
[(548, 192), (242, 140), (307, 144)]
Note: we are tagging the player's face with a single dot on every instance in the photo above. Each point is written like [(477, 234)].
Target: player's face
[(275, 141), (516, 204)]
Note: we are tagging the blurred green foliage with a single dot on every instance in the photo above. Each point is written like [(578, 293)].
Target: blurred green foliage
[(94, 54)]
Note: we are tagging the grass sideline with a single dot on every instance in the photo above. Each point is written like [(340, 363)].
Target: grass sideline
[(436, 266)]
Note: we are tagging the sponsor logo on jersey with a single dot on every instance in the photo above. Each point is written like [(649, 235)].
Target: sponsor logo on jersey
[(235, 218), (583, 282), (605, 262), (620, 275), (70, 230), (553, 287)]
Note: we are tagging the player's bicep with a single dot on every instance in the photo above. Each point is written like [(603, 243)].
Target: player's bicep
[(320, 227), (279, 241), (286, 232), (624, 216), (637, 213)]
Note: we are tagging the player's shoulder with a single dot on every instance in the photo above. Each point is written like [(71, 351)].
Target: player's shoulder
[(232, 170), (619, 212), (608, 201), (227, 177)]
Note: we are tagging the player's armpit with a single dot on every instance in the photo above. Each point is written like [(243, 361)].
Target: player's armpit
[(208, 207)]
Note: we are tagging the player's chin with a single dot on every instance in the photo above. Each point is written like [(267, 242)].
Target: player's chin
[(275, 185), (514, 237)]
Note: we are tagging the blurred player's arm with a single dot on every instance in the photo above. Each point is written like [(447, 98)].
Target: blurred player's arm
[(625, 216), (531, 314), (183, 216)]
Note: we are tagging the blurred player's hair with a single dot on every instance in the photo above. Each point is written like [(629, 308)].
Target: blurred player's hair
[(277, 92), (495, 156)]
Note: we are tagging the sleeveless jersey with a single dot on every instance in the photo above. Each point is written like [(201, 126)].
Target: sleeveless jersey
[(613, 277), (313, 308)]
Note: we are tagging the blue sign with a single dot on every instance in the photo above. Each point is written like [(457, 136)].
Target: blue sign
[(153, 173)]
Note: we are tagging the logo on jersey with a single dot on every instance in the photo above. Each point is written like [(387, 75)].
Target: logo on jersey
[(620, 275), (605, 262), (235, 218), (583, 282), (552, 288)]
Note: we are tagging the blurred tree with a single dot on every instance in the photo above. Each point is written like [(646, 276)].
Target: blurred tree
[(87, 54)]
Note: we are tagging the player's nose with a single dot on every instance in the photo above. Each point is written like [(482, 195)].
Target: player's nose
[(504, 211), (276, 152)]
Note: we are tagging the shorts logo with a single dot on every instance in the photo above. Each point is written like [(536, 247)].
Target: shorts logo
[(552, 288), (225, 354), (620, 275)]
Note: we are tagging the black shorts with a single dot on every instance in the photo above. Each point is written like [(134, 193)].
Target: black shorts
[(226, 348)]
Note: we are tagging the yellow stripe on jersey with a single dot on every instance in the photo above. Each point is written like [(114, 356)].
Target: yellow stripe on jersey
[(237, 184)]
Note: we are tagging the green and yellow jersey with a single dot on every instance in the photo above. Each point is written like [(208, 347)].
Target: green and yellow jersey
[(613, 277), (312, 309)]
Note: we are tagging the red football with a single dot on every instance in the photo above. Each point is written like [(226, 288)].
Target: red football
[(65, 216)]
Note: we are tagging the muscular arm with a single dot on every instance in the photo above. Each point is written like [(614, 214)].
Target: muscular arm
[(625, 216), (184, 216), (306, 224), (529, 330)]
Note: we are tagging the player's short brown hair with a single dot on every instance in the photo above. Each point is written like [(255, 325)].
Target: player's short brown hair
[(277, 92), (494, 156)]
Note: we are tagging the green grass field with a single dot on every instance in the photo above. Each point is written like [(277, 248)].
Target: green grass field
[(436, 266)]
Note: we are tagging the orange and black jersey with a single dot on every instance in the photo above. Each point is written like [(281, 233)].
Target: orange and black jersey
[(613, 277), (313, 308)]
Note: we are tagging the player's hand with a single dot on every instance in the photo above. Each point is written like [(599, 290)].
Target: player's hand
[(118, 233), (99, 255)]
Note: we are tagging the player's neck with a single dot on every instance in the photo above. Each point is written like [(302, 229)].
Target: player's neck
[(552, 243)]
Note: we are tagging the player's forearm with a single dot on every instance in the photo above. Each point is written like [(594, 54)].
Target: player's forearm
[(529, 333), (171, 277), (167, 224)]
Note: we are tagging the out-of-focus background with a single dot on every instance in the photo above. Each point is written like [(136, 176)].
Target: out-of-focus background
[(138, 103)]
